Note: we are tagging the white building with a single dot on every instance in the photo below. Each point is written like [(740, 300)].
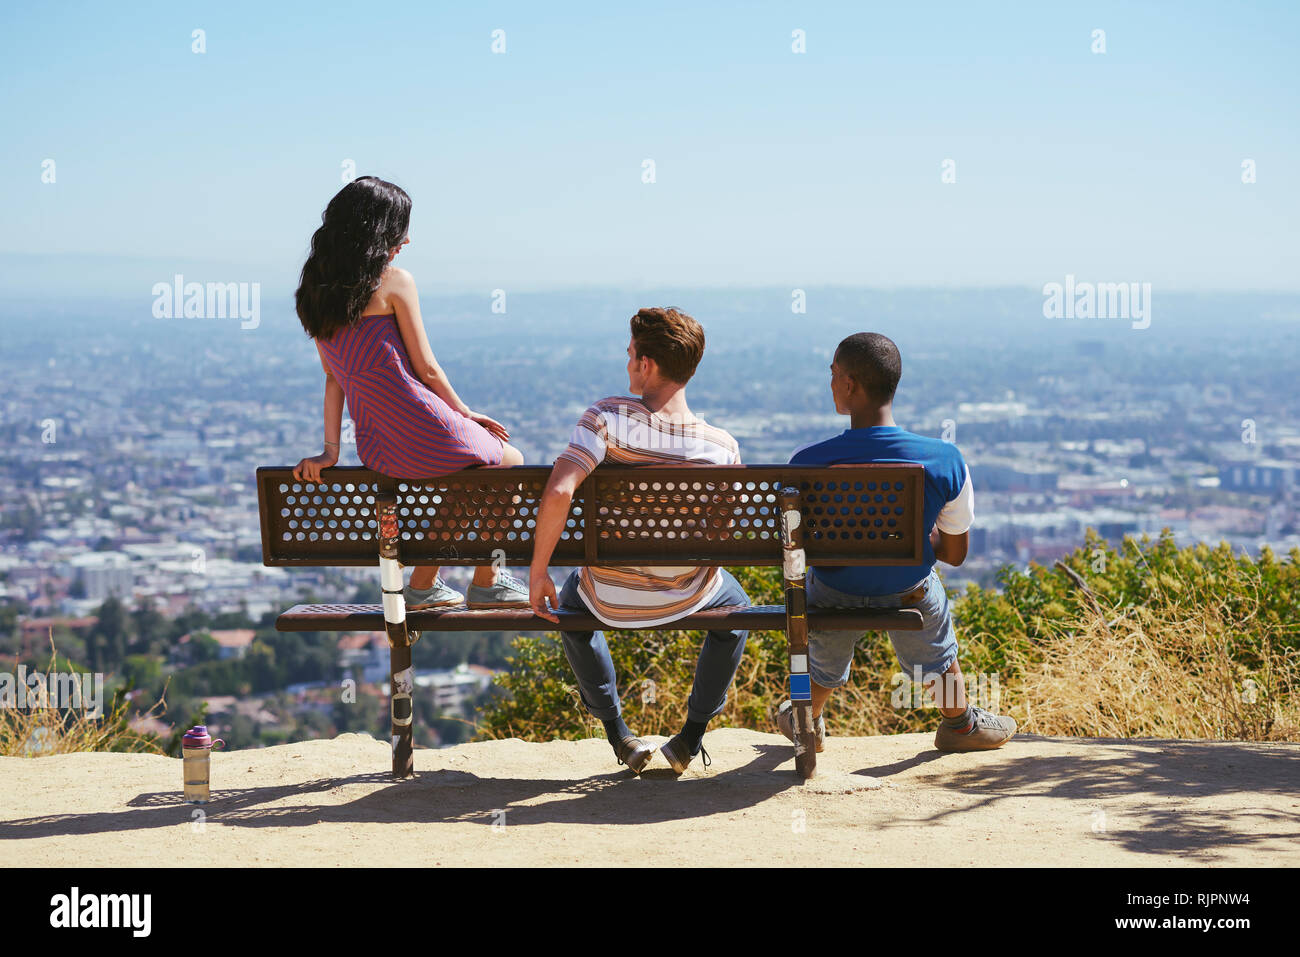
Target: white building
[(103, 574)]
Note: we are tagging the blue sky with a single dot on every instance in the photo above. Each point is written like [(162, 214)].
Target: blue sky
[(771, 167)]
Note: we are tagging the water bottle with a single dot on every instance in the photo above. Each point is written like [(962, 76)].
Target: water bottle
[(196, 748)]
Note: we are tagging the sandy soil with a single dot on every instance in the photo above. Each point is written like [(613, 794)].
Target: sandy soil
[(890, 800)]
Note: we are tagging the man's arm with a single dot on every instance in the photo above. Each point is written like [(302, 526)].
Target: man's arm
[(950, 549), (309, 469), (950, 536), (565, 478)]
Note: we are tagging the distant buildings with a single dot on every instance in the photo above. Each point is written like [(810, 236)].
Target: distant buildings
[(101, 574), (365, 652), (452, 690), (37, 628), (130, 450), (1009, 475), (1262, 476), (366, 655)]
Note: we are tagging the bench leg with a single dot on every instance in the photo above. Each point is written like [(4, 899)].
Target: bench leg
[(401, 676), (401, 684), (796, 631)]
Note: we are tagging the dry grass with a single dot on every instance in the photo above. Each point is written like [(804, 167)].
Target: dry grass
[(1150, 672), (40, 730)]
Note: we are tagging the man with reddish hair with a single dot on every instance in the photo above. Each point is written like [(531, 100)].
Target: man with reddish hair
[(652, 426)]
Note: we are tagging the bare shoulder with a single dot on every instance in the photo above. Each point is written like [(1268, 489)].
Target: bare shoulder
[(397, 283), (395, 277)]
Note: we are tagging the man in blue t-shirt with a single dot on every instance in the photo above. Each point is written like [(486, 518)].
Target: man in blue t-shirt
[(864, 375)]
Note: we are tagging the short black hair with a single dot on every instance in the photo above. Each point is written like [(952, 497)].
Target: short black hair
[(874, 363)]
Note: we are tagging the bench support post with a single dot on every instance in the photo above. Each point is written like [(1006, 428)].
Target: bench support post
[(401, 677), (796, 630)]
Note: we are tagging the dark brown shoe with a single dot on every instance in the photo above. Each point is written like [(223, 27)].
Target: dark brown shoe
[(677, 755), (635, 753)]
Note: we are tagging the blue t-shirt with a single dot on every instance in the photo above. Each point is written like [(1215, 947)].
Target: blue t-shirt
[(948, 497)]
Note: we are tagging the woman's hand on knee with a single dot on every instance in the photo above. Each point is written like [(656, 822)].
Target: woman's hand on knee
[(489, 423)]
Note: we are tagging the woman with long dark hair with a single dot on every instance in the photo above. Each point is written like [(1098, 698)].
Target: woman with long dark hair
[(364, 315)]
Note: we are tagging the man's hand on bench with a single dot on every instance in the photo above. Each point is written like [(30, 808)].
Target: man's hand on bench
[(541, 590)]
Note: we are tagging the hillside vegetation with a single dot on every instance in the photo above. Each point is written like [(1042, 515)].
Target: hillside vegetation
[(1147, 640)]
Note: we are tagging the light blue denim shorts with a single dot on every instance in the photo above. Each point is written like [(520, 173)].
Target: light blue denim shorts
[(933, 649)]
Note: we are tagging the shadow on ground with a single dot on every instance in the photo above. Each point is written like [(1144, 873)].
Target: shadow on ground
[(447, 796), (1120, 776), (1184, 772)]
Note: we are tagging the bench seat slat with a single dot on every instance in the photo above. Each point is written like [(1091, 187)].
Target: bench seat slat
[(341, 617)]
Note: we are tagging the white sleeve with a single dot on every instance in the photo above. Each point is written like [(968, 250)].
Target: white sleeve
[(959, 514), (588, 442)]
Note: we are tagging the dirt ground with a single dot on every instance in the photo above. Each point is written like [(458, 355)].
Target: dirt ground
[(889, 800)]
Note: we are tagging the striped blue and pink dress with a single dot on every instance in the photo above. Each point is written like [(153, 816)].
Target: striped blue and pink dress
[(403, 429)]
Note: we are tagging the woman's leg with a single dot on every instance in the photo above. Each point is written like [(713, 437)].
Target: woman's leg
[(422, 577)]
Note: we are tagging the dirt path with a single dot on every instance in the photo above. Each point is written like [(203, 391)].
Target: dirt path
[(880, 801)]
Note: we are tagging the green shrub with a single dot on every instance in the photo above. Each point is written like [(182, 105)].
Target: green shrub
[(1152, 640)]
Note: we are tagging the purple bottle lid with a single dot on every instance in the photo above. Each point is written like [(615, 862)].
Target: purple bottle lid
[(197, 737)]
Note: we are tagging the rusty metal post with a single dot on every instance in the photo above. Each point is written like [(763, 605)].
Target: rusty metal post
[(401, 678), (796, 630)]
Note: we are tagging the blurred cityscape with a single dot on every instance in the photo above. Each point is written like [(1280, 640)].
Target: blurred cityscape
[(129, 444)]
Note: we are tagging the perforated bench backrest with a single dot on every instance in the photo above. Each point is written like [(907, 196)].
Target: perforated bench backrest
[(679, 515)]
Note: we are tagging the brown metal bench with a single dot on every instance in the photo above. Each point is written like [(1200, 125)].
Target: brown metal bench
[(735, 515)]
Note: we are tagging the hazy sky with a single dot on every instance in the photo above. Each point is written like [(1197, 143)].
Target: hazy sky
[(771, 167)]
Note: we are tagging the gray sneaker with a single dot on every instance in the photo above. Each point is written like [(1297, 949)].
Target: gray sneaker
[(988, 731), (506, 592), (785, 724), (440, 594)]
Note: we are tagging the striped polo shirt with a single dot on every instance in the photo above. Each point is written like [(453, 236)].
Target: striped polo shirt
[(622, 431)]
